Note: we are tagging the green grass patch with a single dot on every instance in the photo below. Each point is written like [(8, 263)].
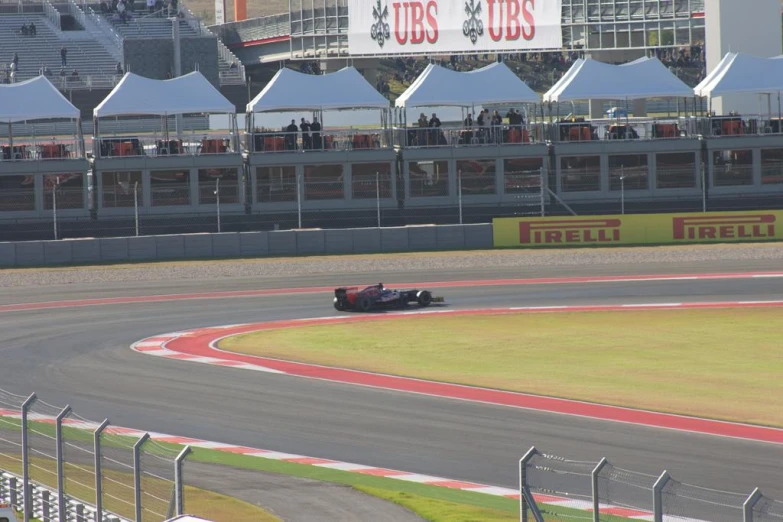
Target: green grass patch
[(708, 363)]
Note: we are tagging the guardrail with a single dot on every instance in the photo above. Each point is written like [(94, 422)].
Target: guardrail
[(52, 14), (44, 502)]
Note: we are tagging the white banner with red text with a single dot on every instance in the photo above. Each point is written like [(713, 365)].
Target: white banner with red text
[(397, 27)]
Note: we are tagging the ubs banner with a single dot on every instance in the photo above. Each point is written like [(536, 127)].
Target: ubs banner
[(654, 229), (403, 27)]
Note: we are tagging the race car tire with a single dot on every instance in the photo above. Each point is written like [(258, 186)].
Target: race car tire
[(339, 305), (364, 304), (424, 298)]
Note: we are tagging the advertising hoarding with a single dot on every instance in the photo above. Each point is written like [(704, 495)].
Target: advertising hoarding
[(654, 229), (405, 27)]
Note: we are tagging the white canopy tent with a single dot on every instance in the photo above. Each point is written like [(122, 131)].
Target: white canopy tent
[(290, 90), (139, 96), (495, 84), (644, 78), (740, 73), (35, 99)]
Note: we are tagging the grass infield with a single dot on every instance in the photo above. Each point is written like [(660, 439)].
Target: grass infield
[(706, 363)]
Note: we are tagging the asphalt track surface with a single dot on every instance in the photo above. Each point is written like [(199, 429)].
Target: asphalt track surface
[(80, 356)]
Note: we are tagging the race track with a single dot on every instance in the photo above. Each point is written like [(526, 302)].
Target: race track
[(80, 356)]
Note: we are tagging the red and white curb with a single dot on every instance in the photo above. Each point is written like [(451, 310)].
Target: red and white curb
[(428, 480)]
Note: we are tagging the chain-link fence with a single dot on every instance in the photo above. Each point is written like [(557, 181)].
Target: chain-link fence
[(56, 465), (556, 488)]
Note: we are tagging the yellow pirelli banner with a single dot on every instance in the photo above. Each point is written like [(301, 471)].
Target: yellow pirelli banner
[(652, 229)]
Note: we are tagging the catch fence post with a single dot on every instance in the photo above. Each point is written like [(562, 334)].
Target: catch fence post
[(179, 485), (749, 504), (136, 206), (98, 471), (543, 185), (26, 500), (58, 431), (459, 193), (137, 475), (524, 501), (299, 199), (658, 496), (596, 497), (378, 196)]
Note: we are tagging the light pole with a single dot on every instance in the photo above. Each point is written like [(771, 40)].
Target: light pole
[(217, 200)]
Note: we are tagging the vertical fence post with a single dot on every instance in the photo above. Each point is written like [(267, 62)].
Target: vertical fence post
[(596, 497), (658, 496), (137, 475), (217, 201), (703, 187), (58, 437), (299, 199), (98, 472), (179, 484), (542, 181), (622, 190), (459, 193), (46, 503), (749, 504), (378, 196), (26, 500), (524, 501), (136, 206), (54, 206)]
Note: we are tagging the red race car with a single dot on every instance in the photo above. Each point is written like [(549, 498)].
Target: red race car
[(379, 297)]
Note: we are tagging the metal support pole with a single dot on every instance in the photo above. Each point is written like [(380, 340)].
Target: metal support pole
[(622, 193), (542, 181), (459, 193), (98, 472), (703, 188), (378, 196), (46, 506), (596, 497), (54, 205), (217, 200), (299, 199), (136, 206), (26, 500), (179, 484), (658, 496), (137, 475), (58, 435), (177, 64), (749, 504), (526, 503)]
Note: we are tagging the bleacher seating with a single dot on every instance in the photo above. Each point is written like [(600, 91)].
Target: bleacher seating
[(89, 57)]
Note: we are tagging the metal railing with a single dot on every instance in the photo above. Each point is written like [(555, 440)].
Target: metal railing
[(40, 149), (552, 487), (193, 144), (462, 136), (325, 141), (104, 26), (52, 13), (224, 53)]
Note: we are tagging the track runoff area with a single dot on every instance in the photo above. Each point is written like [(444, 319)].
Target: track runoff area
[(477, 355)]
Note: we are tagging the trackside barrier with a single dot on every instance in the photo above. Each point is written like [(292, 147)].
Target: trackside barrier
[(652, 229), (556, 488), (58, 467), (288, 243)]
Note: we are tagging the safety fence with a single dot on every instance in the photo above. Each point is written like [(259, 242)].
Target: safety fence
[(555, 488), (58, 466)]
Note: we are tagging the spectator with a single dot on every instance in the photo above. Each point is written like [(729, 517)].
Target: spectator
[(24, 30), (423, 121), (151, 6), (46, 71), (121, 11), (315, 127), (63, 56), (62, 72), (469, 121), (307, 142), (104, 7), (290, 136), (434, 121), (33, 30), (118, 70)]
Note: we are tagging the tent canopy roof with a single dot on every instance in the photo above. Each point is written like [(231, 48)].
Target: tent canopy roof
[(589, 79), (138, 96), (34, 99), (740, 73), (294, 91), (440, 87)]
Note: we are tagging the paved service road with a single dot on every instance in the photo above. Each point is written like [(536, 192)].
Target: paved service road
[(80, 356)]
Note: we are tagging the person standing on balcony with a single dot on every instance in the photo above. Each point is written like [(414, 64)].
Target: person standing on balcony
[(315, 129), (307, 142), (63, 56)]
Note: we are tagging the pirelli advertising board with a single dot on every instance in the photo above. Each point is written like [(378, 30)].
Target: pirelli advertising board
[(653, 229)]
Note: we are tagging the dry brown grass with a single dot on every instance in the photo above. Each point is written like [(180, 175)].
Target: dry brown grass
[(255, 8)]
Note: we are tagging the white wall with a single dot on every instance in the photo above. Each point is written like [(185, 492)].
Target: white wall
[(747, 26)]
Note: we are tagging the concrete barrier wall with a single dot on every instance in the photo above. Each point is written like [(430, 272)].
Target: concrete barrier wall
[(286, 243)]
